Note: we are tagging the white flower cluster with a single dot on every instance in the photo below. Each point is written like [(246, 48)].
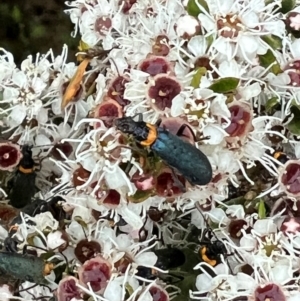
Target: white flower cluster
[(227, 70)]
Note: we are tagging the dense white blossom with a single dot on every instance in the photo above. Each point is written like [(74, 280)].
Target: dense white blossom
[(229, 71)]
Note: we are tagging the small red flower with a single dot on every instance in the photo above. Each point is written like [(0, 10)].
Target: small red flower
[(10, 155), (96, 271)]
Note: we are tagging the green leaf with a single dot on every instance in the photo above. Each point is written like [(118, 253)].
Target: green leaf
[(225, 85), (80, 221), (271, 103), (294, 125), (261, 209), (235, 201), (16, 14), (287, 6), (83, 46), (185, 286), (274, 41), (269, 59), (129, 288), (140, 196), (196, 80), (209, 40), (193, 9)]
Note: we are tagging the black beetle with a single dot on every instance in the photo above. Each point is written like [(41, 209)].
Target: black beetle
[(281, 157), (167, 258), (37, 206), (184, 157), (211, 250), (22, 185)]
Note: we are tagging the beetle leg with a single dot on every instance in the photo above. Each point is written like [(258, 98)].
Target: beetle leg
[(128, 167), (143, 232), (2, 272), (158, 122), (28, 288), (171, 278), (204, 138), (43, 298), (203, 237), (24, 250), (140, 116), (33, 286), (182, 128), (177, 181), (11, 242), (205, 242), (39, 164), (11, 245), (10, 184), (43, 206)]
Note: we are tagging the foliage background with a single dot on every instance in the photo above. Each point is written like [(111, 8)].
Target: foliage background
[(32, 26)]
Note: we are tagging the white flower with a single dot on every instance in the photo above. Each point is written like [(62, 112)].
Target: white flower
[(235, 26), (7, 65), (55, 240), (45, 220), (37, 291), (5, 293), (97, 22)]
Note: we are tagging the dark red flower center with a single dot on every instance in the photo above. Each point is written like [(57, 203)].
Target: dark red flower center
[(270, 292), (163, 91), (239, 121), (291, 178)]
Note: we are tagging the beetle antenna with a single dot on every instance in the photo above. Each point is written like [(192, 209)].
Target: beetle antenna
[(43, 249), (177, 181), (26, 289), (197, 205), (33, 286), (42, 297), (143, 231), (47, 202), (113, 61), (83, 232)]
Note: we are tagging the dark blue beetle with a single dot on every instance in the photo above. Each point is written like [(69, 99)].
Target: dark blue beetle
[(184, 157), (24, 267)]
